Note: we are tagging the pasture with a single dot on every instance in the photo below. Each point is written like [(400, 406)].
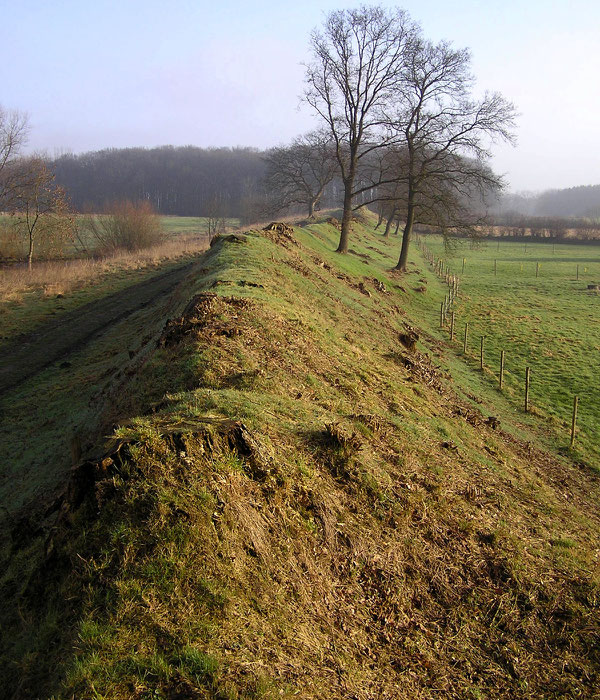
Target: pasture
[(532, 301)]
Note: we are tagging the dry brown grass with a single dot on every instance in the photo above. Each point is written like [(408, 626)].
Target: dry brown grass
[(62, 277)]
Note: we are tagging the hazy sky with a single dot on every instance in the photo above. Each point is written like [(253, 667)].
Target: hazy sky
[(99, 73)]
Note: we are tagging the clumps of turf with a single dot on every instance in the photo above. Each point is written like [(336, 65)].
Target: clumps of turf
[(280, 233), (340, 448), (196, 317)]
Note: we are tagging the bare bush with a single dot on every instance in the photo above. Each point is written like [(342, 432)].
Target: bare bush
[(216, 220), (124, 226)]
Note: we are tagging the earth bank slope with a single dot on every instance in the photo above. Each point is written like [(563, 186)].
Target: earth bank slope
[(318, 513)]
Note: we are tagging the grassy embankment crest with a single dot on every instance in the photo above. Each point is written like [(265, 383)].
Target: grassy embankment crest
[(320, 514)]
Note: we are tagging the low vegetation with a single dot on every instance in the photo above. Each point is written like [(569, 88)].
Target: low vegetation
[(300, 503), (28, 297), (532, 301), (125, 225)]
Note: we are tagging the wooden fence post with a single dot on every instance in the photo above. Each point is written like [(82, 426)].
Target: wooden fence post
[(466, 338), (452, 326), (574, 419), (501, 370), (481, 352), (537, 269), (527, 379), (442, 314)]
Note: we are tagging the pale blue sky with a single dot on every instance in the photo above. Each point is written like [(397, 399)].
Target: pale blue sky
[(144, 73)]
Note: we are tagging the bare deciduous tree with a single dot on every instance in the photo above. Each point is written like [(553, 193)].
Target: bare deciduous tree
[(215, 215), (298, 174), (39, 207), (358, 64), (445, 135), (14, 128)]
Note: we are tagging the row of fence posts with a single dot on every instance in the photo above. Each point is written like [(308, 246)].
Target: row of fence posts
[(448, 316), (538, 267)]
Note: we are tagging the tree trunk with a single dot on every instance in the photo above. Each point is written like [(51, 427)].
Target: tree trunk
[(311, 208), (397, 226), (388, 226), (410, 217), (379, 219), (346, 217), (30, 253)]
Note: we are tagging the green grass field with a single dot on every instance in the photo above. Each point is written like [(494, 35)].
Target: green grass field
[(548, 322), (177, 225)]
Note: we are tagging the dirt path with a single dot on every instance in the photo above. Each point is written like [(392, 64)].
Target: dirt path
[(54, 340)]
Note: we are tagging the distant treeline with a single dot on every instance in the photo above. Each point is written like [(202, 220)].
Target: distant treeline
[(184, 181), (230, 182), (543, 227), (575, 202)]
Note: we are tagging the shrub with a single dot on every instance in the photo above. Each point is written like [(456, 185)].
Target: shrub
[(124, 226)]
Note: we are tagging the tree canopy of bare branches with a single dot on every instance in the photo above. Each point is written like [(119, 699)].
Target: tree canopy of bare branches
[(359, 60), (299, 173), (14, 129), (445, 136)]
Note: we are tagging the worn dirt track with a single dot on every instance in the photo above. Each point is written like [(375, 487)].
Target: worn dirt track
[(28, 354)]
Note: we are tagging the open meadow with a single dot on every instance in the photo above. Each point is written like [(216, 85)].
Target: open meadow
[(532, 301)]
